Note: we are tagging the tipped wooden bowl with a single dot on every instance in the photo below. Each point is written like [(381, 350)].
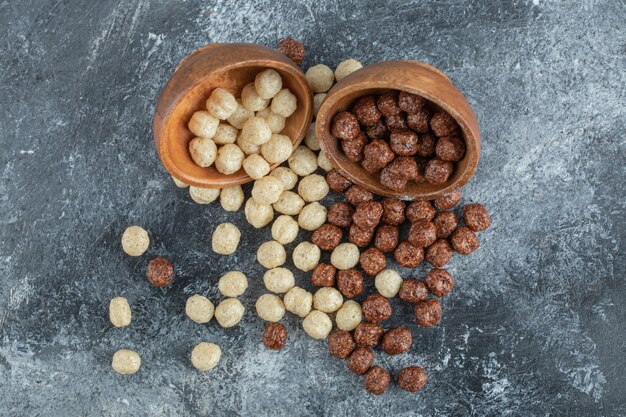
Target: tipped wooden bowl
[(230, 66), (414, 77)]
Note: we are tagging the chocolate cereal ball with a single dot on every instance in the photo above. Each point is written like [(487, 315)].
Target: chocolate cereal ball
[(428, 313), (464, 240), (350, 282), (324, 275), (437, 171), (292, 49), (340, 214), (392, 177), (403, 142), (408, 256), (419, 121), (366, 111), (476, 217), (160, 272), (393, 211), (426, 146), (397, 121), (439, 253), (327, 237), (420, 211), (397, 341), (353, 148), (368, 334), (410, 103), (337, 182), (450, 148), (376, 308), (422, 234), (360, 361), (340, 344), (345, 126), (372, 261), (274, 336), (413, 291), (357, 195), (378, 154), (377, 131), (368, 214), (442, 124), (377, 380), (448, 200), (412, 379), (388, 104), (360, 237), (387, 237), (439, 282), (445, 222)]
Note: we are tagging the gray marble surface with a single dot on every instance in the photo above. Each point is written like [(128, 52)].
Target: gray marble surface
[(535, 326)]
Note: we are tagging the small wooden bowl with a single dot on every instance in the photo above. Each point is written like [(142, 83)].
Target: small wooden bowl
[(414, 77), (230, 66)]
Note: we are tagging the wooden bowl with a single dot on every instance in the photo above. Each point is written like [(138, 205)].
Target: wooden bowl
[(414, 77), (229, 66)]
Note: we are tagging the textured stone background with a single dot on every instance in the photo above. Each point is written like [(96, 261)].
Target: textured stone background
[(536, 324)]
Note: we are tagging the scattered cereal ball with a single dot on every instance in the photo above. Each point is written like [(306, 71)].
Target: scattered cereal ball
[(224, 134), (313, 188), (327, 237), (277, 149), (204, 195), (292, 49), (231, 198), (439, 282), (439, 253), (160, 272), (323, 275), (239, 116), (349, 316), (221, 103), (274, 336), (256, 131), (476, 217), (205, 356), (135, 241), (376, 308), (361, 360), (267, 83), (413, 291), (126, 362), (323, 162), (203, 124), (289, 203), (199, 309), (225, 239), (340, 344), (377, 380), (285, 229), (258, 215), (267, 190), (284, 103), (179, 183), (345, 256), (357, 195), (255, 166), (229, 312), (303, 161), (298, 301), (428, 313), (346, 68), (368, 334), (246, 146), (251, 100), (119, 312), (286, 176), (270, 308), (320, 78), (271, 254), (317, 102), (310, 139), (229, 159), (337, 182), (317, 324), (279, 280), (412, 379), (306, 256), (397, 341), (312, 216), (448, 200), (233, 284), (464, 240), (327, 299), (350, 282)]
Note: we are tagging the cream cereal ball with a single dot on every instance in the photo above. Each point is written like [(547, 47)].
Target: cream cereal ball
[(225, 133), (279, 280), (271, 254), (310, 139), (199, 309), (313, 188), (317, 324), (303, 161), (203, 151), (388, 282), (179, 183), (258, 215), (312, 216), (225, 239), (119, 312), (203, 195), (306, 256), (126, 362), (135, 241), (205, 356), (231, 198), (202, 124), (239, 116), (346, 68), (233, 284), (256, 131), (345, 256), (274, 121), (270, 307), (285, 229), (317, 102), (221, 104), (289, 203), (349, 316), (229, 312), (229, 159), (323, 162), (256, 166), (286, 176), (320, 78), (298, 301), (327, 299), (246, 146), (277, 149), (268, 83), (251, 100), (284, 103), (267, 190)]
